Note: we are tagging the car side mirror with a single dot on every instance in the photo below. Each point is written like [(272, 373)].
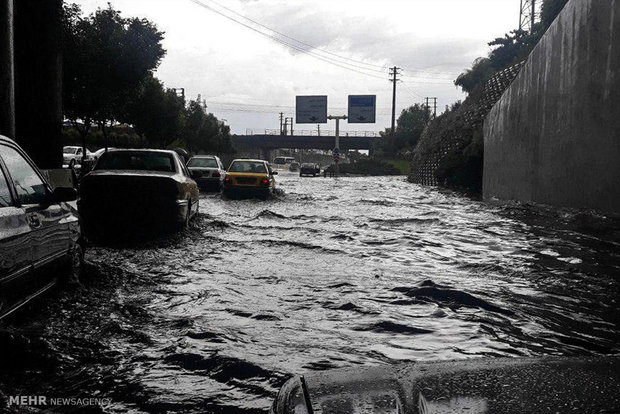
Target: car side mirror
[(274, 173), (63, 194)]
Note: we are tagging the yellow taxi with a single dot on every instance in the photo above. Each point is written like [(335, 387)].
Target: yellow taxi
[(249, 178)]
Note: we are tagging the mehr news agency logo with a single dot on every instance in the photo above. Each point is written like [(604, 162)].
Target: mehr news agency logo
[(44, 401)]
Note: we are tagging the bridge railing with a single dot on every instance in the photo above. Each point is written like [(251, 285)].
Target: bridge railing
[(314, 133)]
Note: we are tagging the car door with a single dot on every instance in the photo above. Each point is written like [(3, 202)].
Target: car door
[(15, 247), (50, 235)]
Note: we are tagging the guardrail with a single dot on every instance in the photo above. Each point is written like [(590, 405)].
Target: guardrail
[(314, 133)]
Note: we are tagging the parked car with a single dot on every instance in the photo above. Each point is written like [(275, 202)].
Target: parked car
[(249, 178), (72, 155), (40, 235), (208, 171), (134, 192), (309, 169), (283, 160)]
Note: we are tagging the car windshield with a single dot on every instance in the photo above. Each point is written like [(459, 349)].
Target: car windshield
[(248, 167), (69, 150), (146, 161), (307, 165), (202, 162)]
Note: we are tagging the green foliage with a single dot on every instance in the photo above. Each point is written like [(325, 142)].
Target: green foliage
[(105, 59), (510, 49), (369, 166), (108, 76), (156, 113), (204, 132), (462, 167), (550, 10), (410, 125)]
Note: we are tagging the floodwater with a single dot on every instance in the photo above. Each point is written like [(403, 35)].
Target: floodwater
[(330, 273)]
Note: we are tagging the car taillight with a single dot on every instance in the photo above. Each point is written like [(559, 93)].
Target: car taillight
[(216, 175), (227, 180), (265, 181)]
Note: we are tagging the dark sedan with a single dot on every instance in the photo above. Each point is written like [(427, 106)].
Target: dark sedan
[(39, 231), (134, 192), (309, 169)]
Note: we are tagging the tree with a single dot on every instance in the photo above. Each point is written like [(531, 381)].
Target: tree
[(410, 125), (204, 132), (156, 113), (510, 49), (106, 58)]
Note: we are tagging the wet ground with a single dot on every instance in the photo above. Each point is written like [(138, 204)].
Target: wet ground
[(331, 273)]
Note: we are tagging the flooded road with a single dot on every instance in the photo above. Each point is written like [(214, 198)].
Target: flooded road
[(331, 273)]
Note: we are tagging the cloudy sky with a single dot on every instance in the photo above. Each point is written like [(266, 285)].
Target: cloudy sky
[(340, 47)]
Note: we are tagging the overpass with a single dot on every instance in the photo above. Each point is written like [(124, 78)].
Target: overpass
[(263, 144)]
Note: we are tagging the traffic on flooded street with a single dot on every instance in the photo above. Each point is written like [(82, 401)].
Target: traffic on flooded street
[(309, 207), (327, 273)]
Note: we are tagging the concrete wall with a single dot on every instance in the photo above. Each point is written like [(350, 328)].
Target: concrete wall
[(554, 136)]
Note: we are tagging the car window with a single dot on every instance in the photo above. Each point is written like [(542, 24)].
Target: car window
[(5, 194), (202, 163), (248, 167), (29, 186), (69, 150), (149, 161)]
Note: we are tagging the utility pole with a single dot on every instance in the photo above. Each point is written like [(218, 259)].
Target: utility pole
[(7, 70), (318, 128), (394, 73), (285, 130), (286, 122), (337, 143), (281, 121)]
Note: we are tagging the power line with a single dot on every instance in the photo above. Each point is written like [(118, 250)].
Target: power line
[(342, 64), (299, 41), (315, 55)]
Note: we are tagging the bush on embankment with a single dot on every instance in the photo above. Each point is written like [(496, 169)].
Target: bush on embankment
[(370, 166)]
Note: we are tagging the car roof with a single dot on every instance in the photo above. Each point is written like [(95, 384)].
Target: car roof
[(141, 150), (204, 156), (250, 160)]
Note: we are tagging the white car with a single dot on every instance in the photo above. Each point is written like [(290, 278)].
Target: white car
[(72, 155)]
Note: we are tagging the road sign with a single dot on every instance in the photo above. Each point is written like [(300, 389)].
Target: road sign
[(362, 109), (311, 109), (336, 151)]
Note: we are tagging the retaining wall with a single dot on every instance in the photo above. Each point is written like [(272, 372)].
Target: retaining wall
[(554, 136)]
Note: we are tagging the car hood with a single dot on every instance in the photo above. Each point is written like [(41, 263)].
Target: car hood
[(474, 386)]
